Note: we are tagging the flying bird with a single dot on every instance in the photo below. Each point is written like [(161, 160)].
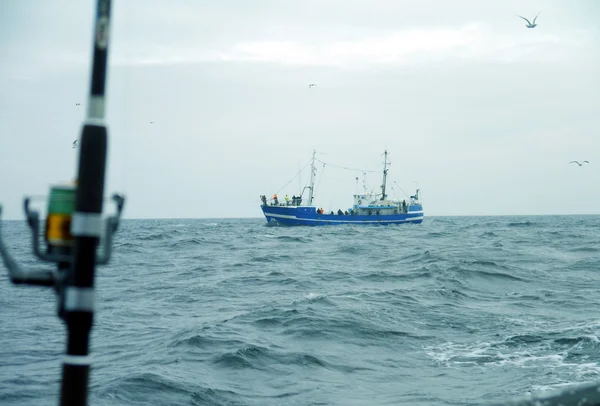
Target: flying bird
[(77, 104), (151, 122), (311, 85), (75, 143), (529, 23), (577, 162)]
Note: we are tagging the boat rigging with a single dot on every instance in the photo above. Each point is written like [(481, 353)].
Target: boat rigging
[(368, 208)]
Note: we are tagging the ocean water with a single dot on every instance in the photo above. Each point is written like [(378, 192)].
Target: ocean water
[(455, 311)]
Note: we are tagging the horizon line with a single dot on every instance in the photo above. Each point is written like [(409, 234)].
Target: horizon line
[(427, 216)]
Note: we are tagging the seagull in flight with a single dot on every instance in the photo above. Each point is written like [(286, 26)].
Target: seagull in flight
[(75, 143), (577, 162), (311, 85), (529, 23), (151, 122), (77, 104)]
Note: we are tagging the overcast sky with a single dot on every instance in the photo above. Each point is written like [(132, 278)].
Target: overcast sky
[(482, 113)]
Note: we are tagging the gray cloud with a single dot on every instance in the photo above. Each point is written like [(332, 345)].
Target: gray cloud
[(481, 112)]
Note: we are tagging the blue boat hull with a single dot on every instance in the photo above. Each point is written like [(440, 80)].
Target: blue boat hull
[(308, 216)]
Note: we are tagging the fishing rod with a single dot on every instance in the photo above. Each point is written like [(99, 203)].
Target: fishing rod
[(74, 229)]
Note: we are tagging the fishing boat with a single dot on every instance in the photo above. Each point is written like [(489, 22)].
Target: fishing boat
[(367, 208)]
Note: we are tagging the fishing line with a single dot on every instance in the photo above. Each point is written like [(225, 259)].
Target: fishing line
[(402, 190), (290, 181), (347, 167)]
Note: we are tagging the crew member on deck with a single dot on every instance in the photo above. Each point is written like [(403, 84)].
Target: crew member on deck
[(287, 200), (275, 201)]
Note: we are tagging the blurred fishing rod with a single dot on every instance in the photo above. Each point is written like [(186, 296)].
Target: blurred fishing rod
[(74, 229)]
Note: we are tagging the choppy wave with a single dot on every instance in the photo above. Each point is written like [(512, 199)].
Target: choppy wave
[(464, 310)]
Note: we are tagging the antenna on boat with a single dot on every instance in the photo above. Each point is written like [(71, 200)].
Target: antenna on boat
[(312, 178), (74, 229), (385, 170)]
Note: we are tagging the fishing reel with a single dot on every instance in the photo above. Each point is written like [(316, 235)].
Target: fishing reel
[(59, 241)]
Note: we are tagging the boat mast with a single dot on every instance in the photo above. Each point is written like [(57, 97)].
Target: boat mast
[(312, 179), (385, 162)]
